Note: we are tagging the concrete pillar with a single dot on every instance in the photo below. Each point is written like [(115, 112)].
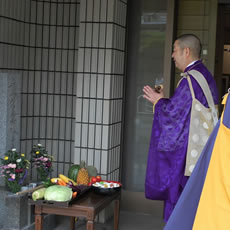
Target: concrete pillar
[(10, 111), (100, 79), (10, 107)]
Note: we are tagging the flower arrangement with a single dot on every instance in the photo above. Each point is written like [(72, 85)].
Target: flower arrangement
[(42, 162), (14, 167)]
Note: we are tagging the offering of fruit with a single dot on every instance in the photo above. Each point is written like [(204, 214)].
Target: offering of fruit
[(93, 179), (98, 178), (83, 176), (73, 171)]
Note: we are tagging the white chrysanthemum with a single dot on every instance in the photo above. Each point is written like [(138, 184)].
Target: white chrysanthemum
[(39, 145), (19, 160), (13, 150)]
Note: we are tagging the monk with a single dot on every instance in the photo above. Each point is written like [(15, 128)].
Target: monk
[(165, 178)]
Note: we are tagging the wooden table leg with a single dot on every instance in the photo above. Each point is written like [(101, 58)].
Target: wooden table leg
[(38, 221), (72, 223), (90, 225), (116, 214)]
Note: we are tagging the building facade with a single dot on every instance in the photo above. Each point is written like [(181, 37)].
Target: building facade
[(66, 73)]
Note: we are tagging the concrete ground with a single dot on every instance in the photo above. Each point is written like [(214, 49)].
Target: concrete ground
[(128, 221)]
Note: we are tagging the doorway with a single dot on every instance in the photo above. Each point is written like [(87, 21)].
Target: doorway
[(147, 60), (222, 58)]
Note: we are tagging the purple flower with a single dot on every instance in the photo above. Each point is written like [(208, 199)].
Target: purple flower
[(12, 176), (23, 178), (48, 164), (5, 167)]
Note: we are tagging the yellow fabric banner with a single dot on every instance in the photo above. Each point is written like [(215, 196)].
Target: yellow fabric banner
[(213, 211)]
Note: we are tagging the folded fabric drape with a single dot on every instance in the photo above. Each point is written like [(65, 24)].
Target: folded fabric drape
[(205, 201)]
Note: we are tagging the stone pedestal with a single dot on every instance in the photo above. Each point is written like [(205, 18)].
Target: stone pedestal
[(13, 210), (2, 206), (17, 214), (10, 111), (16, 208)]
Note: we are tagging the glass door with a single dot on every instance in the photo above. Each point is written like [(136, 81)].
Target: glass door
[(146, 44)]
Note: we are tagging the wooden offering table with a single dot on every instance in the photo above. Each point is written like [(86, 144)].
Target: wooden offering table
[(88, 206)]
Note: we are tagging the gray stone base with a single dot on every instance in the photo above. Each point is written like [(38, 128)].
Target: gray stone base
[(16, 208), (2, 207), (10, 112), (17, 214)]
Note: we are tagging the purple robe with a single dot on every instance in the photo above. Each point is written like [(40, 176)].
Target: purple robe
[(165, 178)]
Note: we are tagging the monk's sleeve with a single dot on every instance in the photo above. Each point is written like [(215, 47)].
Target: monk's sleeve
[(173, 116)]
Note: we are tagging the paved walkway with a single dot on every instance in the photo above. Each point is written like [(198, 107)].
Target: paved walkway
[(128, 221)]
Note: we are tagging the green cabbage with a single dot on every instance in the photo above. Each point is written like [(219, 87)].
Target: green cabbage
[(58, 193)]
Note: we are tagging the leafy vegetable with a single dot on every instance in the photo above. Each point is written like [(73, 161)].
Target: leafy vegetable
[(58, 193), (47, 183)]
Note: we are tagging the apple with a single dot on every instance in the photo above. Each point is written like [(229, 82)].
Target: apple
[(98, 178), (93, 179)]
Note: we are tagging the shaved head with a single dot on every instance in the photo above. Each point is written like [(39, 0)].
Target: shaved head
[(192, 42)]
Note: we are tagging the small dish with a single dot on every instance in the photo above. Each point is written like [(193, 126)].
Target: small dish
[(106, 187)]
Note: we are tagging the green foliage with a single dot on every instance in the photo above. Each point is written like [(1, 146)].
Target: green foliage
[(42, 161), (14, 168)]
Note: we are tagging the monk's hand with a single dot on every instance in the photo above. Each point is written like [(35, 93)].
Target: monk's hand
[(151, 95)]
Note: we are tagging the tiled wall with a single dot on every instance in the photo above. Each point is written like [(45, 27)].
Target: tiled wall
[(70, 56), (49, 82), (39, 40), (100, 82), (11, 34)]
